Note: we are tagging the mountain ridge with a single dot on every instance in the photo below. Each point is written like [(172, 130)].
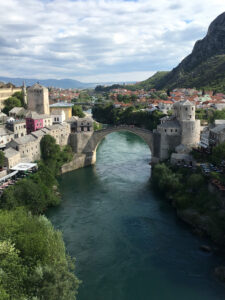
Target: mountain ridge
[(209, 53)]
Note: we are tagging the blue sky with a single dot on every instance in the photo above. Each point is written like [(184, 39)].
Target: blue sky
[(100, 40)]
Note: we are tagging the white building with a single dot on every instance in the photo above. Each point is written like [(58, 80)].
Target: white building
[(58, 116)]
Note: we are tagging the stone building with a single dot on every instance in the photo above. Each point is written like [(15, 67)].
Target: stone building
[(17, 112), (182, 159), (217, 135), (60, 132), (18, 127), (81, 124), (28, 147), (5, 136), (12, 158), (38, 99), (181, 128)]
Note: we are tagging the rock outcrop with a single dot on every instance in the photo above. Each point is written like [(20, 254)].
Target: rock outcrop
[(204, 67)]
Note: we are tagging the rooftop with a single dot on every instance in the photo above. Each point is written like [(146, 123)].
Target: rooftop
[(218, 128), (25, 139), (37, 86), (34, 115), (10, 152)]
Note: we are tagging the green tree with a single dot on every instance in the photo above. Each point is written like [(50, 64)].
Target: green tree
[(77, 111), (33, 261), (19, 95), (10, 103), (49, 149), (195, 182), (218, 153), (2, 159), (13, 272)]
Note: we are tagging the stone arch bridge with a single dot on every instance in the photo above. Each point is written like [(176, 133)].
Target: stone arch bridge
[(84, 144), (145, 134)]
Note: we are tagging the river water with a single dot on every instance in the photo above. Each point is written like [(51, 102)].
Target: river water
[(128, 243)]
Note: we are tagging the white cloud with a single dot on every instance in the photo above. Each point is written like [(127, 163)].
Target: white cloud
[(102, 39)]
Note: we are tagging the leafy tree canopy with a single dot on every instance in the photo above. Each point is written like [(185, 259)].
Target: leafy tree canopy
[(77, 111)]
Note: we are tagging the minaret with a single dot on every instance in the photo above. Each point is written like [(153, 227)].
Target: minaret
[(24, 93)]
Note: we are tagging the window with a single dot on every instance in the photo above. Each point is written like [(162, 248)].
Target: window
[(165, 130), (171, 130), (190, 116), (186, 108)]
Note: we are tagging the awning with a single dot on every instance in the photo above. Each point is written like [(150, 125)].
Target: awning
[(8, 176), (24, 166)]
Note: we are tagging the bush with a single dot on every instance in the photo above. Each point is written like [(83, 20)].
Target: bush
[(33, 259)]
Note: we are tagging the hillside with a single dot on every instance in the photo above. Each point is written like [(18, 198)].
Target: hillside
[(204, 67), (151, 82), (57, 83)]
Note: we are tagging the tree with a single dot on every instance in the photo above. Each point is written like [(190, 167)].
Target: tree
[(13, 272), (19, 95), (49, 148), (33, 261), (10, 103), (218, 153), (195, 182), (2, 159), (77, 111)]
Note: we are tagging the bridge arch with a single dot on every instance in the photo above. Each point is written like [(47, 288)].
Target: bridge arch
[(97, 136)]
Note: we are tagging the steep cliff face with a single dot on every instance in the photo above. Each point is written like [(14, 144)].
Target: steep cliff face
[(207, 53), (213, 44)]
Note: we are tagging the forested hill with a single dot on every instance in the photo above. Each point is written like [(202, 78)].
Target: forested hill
[(203, 68)]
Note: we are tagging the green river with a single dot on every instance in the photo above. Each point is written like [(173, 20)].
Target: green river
[(128, 243)]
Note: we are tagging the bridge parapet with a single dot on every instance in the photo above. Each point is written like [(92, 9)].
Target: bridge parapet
[(125, 127)]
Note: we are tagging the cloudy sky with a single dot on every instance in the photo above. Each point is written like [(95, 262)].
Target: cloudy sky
[(99, 40)]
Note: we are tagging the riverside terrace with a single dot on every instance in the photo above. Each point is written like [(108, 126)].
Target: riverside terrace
[(19, 171)]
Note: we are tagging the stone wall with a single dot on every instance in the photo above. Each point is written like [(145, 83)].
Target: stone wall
[(6, 93), (80, 160)]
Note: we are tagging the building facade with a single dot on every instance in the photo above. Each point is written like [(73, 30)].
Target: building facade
[(38, 99), (28, 146), (34, 122), (12, 158), (18, 127), (181, 128), (62, 106)]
